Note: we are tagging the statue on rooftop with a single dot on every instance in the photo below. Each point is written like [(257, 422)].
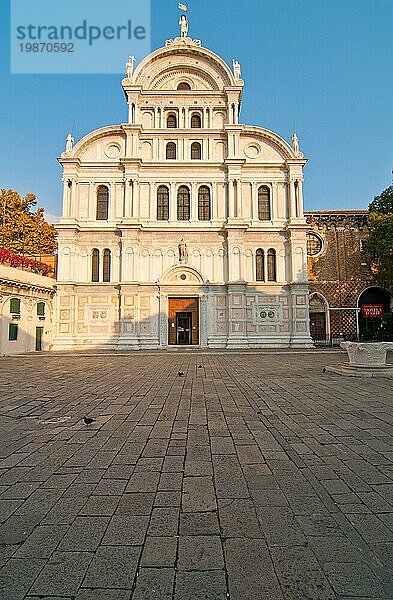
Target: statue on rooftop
[(237, 69), (183, 26), (130, 67), (69, 143)]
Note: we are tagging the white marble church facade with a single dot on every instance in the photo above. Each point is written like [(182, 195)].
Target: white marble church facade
[(182, 226)]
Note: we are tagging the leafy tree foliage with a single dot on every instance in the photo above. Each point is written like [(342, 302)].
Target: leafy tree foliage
[(380, 243), (23, 228)]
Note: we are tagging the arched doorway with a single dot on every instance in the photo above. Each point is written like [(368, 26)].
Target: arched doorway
[(318, 318), (374, 303)]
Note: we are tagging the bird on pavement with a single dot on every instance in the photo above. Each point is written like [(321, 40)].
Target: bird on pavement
[(88, 420), (200, 367), (180, 374)]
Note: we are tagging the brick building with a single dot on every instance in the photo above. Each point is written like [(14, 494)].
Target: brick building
[(340, 276)]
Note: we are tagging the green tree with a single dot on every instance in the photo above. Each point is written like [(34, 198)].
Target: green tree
[(380, 242), (23, 228)]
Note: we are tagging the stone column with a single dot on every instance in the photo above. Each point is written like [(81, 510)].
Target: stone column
[(254, 201), (231, 199), (153, 213), (194, 202), (66, 198), (127, 208), (292, 199), (172, 202)]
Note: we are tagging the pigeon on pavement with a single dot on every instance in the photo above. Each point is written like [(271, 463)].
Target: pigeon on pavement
[(88, 420), (180, 374)]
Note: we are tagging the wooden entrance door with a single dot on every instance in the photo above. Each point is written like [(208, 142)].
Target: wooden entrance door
[(39, 332), (183, 321), (318, 326)]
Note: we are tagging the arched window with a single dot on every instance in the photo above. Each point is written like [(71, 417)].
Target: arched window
[(162, 203), (183, 203), (196, 151), (171, 121), (264, 212), (107, 265), (184, 86), (271, 265), (171, 150), (260, 265), (102, 203), (41, 309), (204, 203), (196, 122), (95, 265), (15, 306)]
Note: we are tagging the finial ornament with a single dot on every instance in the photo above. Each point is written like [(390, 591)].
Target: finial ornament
[(130, 67), (69, 143), (183, 26), (183, 251), (237, 69)]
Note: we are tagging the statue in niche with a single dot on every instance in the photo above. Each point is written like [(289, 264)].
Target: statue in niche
[(183, 251), (237, 69), (69, 143), (183, 26), (130, 67)]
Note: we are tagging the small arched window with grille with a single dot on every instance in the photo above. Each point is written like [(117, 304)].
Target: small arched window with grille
[(183, 203), (15, 306), (95, 265), (41, 309), (271, 265), (171, 121), (184, 86), (102, 203), (196, 151), (204, 207), (264, 208), (106, 270), (171, 150), (196, 121), (162, 203), (260, 265)]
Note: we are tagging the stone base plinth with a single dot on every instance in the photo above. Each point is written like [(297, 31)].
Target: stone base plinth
[(361, 371)]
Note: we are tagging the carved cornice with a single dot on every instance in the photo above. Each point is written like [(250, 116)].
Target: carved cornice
[(349, 220)]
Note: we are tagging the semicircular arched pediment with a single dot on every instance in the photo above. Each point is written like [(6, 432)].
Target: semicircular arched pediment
[(203, 64), (171, 77), (182, 275)]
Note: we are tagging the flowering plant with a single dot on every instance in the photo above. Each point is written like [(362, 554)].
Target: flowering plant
[(23, 262)]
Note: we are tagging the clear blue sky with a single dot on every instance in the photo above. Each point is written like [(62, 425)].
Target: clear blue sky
[(326, 65)]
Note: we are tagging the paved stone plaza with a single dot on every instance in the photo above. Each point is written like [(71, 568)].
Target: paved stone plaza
[(254, 476)]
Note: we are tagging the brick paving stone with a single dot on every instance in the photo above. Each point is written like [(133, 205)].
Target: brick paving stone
[(203, 585), (113, 567), (63, 574), (229, 479), (154, 584), (126, 531), (100, 506), (238, 519), (354, 579), (164, 522), (199, 524), (200, 553), (99, 594), (42, 542), (198, 495), (159, 552), (135, 504), (250, 570), (17, 576), (300, 575), (84, 535)]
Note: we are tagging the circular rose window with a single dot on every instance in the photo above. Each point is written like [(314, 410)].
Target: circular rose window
[(112, 151), (252, 151), (314, 244), (183, 277)]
